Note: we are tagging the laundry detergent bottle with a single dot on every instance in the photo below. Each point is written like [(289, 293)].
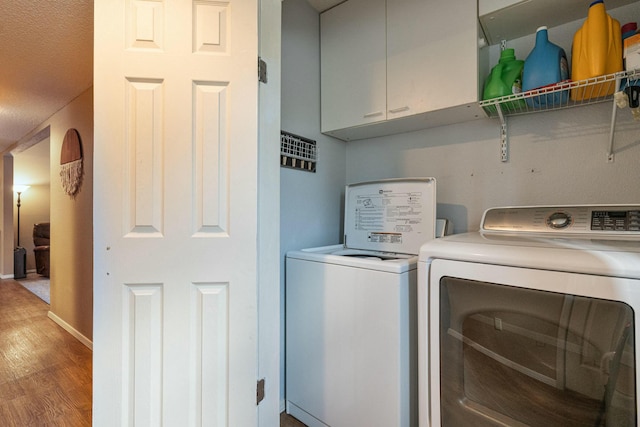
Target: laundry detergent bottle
[(512, 75), (496, 86), (596, 51), (545, 66), (505, 79), (511, 70)]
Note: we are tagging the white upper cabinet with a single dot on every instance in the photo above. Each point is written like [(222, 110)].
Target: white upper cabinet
[(392, 66), (354, 73), (432, 52)]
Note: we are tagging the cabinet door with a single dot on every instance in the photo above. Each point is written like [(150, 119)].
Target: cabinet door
[(353, 64), (432, 55)]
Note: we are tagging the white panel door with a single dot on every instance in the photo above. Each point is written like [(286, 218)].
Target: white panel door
[(175, 213)]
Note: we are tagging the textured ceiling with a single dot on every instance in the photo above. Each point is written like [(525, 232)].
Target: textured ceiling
[(46, 60)]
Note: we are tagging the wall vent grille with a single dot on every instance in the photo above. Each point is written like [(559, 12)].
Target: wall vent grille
[(297, 152)]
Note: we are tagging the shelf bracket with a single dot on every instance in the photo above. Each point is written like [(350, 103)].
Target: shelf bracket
[(504, 140), (614, 113), (504, 106)]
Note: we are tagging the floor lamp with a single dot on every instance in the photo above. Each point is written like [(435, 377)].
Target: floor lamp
[(19, 253)]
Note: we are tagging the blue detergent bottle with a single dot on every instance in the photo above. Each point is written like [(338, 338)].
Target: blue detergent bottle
[(545, 66)]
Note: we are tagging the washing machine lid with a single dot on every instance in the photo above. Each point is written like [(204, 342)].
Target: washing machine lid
[(394, 215), (354, 258)]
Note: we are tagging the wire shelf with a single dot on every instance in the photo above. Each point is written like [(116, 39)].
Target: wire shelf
[(560, 96)]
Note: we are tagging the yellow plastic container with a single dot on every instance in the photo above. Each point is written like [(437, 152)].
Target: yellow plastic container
[(596, 51)]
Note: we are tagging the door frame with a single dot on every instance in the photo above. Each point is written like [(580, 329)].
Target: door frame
[(269, 48)]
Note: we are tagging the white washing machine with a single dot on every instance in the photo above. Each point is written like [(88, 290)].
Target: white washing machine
[(532, 320), (351, 311)]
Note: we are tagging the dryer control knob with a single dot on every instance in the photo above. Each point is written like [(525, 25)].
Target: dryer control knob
[(559, 220)]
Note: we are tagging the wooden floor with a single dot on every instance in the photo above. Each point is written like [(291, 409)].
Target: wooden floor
[(45, 373), (287, 420)]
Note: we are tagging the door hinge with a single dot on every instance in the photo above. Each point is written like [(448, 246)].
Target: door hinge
[(262, 70), (259, 391)]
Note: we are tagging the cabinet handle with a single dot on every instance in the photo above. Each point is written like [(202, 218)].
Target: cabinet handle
[(375, 113), (399, 110)]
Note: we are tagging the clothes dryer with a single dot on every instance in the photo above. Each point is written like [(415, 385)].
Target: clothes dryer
[(351, 311), (532, 320)]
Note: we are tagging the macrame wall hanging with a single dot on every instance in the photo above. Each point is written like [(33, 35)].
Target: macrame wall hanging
[(71, 163)]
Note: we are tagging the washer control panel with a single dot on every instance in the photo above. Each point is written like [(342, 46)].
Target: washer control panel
[(583, 219)]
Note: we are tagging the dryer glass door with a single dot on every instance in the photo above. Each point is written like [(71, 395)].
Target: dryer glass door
[(516, 355)]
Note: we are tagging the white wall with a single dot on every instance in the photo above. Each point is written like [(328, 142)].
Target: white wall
[(72, 225), (556, 158), (34, 209), (71, 218), (6, 224), (32, 167), (310, 203)]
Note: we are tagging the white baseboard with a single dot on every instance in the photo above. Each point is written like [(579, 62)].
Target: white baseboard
[(67, 327), (11, 276), (302, 415)]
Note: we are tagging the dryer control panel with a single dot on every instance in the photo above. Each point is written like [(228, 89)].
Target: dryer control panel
[(615, 220)]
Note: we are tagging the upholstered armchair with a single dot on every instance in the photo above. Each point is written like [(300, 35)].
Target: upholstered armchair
[(41, 249)]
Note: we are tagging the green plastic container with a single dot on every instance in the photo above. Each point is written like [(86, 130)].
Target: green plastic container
[(511, 70), (496, 86), (505, 79)]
